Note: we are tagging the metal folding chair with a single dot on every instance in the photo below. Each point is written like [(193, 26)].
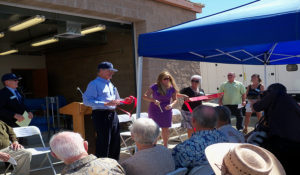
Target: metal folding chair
[(179, 171), (6, 170), (175, 126), (31, 131), (126, 135), (204, 169)]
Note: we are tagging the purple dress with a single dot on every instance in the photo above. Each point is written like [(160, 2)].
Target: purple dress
[(163, 119)]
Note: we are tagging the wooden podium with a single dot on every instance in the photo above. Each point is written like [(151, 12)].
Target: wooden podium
[(77, 110)]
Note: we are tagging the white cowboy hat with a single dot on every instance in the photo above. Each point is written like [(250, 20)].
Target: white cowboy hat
[(240, 159)]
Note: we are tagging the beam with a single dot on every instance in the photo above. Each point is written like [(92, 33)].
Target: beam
[(184, 4)]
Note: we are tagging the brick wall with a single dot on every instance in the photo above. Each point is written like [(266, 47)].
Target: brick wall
[(69, 69), (147, 16)]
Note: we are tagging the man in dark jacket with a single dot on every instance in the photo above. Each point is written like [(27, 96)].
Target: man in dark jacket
[(12, 104), (283, 120)]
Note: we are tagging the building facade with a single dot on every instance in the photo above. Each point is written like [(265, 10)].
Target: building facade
[(70, 68)]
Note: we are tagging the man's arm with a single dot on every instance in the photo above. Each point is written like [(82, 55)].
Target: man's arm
[(221, 98), (90, 96), (244, 94), (11, 133), (244, 99), (263, 104)]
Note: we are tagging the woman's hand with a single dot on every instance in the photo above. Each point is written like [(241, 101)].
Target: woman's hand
[(186, 98), (168, 107), (156, 102)]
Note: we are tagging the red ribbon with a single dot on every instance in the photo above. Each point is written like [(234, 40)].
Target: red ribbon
[(206, 97), (128, 102)]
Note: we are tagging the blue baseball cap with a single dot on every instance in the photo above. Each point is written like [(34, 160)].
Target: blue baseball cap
[(10, 76), (106, 65)]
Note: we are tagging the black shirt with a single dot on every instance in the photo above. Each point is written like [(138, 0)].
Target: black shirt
[(191, 93), (254, 93), (283, 115)]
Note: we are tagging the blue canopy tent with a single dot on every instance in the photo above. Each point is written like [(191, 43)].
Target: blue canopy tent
[(263, 32)]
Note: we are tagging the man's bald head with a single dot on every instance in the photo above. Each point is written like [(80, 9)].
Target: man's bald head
[(205, 116), (67, 145)]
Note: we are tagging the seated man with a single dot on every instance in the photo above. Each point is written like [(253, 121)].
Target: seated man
[(72, 150), (150, 158), (190, 153), (14, 150), (224, 125)]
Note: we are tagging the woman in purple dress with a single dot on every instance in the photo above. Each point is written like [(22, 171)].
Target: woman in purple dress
[(162, 96)]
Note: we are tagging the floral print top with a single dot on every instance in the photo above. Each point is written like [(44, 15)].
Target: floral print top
[(191, 153)]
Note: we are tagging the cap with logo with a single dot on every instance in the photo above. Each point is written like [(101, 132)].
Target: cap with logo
[(107, 65), (10, 76)]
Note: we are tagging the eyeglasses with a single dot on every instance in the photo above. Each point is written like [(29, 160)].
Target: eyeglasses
[(195, 81), (229, 75), (166, 79)]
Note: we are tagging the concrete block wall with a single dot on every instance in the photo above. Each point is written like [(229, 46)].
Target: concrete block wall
[(69, 69), (180, 70), (146, 15)]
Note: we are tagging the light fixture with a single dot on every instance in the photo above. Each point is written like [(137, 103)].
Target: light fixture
[(27, 23), (93, 29), (9, 52), (44, 42), (1, 34)]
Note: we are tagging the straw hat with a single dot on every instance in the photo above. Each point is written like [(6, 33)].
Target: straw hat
[(242, 159)]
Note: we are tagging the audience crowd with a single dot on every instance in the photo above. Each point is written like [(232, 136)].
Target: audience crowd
[(212, 140)]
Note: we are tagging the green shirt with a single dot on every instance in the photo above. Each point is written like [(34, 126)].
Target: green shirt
[(7, 134), (232, 92)]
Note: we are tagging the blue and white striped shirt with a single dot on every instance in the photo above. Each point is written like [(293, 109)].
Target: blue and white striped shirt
[(98, 92)]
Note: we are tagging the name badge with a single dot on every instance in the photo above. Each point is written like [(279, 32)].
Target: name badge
[(13, 97)]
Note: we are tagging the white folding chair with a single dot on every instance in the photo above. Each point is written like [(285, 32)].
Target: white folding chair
[(126, 135), (31, 131), (175, 126), (6, 170), (179, 171), (204, 169)]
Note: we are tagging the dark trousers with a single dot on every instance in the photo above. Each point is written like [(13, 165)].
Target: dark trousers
[(106, 124), (238, 114)]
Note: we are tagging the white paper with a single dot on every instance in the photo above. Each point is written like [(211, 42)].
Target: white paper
[(12, 161), (240, 106), (26, 120)]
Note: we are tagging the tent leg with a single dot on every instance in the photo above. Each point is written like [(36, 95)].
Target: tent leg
[(139, 87), (265, 72)]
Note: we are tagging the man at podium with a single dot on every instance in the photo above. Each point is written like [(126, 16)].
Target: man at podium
[(103, 97)]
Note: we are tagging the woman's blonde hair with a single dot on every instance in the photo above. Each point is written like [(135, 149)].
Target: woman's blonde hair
[(161, 89)]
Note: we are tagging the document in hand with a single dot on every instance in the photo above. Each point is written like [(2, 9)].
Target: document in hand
[(26, 120), (12, 161)]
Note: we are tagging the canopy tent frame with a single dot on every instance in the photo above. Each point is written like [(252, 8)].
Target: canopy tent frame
[(263, 32)]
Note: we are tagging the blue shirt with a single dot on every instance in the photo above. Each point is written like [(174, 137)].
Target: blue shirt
[(98, 92), (18, 96), (191, 153)]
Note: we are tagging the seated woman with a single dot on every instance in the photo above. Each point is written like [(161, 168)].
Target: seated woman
[(150, 158)]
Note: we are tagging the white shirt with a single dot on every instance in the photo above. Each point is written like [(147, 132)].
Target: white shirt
[(233, 135)]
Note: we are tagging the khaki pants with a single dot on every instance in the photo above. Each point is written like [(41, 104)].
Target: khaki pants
[(22, 158)]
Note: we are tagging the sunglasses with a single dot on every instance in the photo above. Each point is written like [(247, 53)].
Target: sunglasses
[(166, 79), (195, 81)]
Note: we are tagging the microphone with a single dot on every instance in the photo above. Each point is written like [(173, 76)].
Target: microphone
[(78, 88)]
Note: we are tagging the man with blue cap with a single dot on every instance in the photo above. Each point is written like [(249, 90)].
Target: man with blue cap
[(103, 97), (11, 101)]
